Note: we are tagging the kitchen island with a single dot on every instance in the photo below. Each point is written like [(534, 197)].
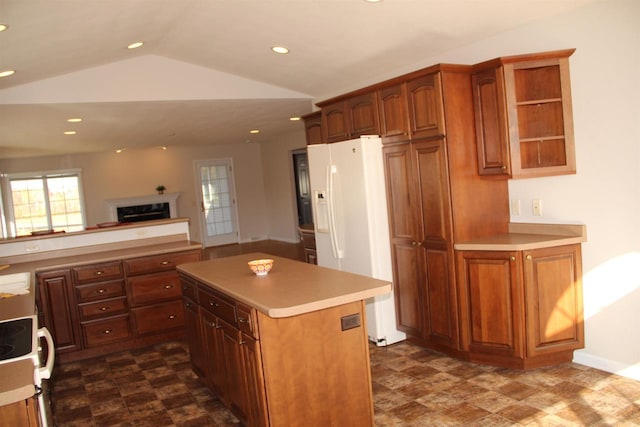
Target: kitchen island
[(286, 349)]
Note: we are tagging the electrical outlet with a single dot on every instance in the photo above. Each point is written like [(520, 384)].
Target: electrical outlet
[(536, 207), (515, 207)]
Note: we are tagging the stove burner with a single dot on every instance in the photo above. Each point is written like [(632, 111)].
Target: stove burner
[(15, 338), (5, 350)]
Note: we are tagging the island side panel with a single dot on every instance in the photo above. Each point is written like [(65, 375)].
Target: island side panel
[(316, 373)]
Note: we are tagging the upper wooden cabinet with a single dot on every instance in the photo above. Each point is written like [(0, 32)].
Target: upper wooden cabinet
[(350, 117), (524, 117), (393, 112), (424, 98), (312, 127)]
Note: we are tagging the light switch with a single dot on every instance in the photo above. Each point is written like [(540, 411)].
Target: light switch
[(536, 205), (515, 207)]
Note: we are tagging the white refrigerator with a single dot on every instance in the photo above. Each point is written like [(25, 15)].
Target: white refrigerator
[(350, 221)]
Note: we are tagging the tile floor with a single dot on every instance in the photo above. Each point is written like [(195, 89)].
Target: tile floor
[(411, 387)]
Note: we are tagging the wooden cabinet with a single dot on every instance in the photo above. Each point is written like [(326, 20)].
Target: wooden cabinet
[(97, 308), (521, 309), (313, 128), (23, 413), (57, 302), (393, 112), (308, 238), (524, 117), (425, 103), (350, 117), (435, 198), (422, 241)]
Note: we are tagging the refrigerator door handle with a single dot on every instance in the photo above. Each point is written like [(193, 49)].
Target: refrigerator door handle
[(333, 233)]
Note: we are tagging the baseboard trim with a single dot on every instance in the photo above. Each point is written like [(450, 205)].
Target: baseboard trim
[(608, 365)]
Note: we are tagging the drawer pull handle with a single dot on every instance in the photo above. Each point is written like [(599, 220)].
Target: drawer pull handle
[(99, 273), (168, 286), (104, 308), (165, 262), (107, 331), (171, 316), (101, 291)]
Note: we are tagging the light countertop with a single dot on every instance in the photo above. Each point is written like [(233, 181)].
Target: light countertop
[(16, 378), (291, 287), (527, 236)]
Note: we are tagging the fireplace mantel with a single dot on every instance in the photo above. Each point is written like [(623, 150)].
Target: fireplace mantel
[(170, 198)]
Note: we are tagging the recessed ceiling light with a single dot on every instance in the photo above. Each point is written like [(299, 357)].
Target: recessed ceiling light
[(163, 147), (280, 49), (120, 150), (74, 120), (3, 27), (254, 131), (70, 132), (294, 119), (135, 45), (373, 1), (6, 73)]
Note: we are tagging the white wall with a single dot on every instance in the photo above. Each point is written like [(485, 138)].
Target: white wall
[(137, 172), (605, 193), (279, 185)]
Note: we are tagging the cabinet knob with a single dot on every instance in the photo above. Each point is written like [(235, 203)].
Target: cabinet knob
[(242, 320), (214, 304), (503, 167), (99, 273), (168, 286), (107, 331), (512, 258), (101, 291), (165, 263), (529, 257), (104, 308), (171, 316)]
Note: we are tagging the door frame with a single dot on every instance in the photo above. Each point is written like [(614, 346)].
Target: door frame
[(200, 202)]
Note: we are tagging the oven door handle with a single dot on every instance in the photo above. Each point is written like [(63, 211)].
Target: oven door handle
[(44, 372)]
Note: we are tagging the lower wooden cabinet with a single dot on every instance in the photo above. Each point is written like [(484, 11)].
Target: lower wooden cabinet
[(314, 371), (23, 413), (98, 308), (521, 309)]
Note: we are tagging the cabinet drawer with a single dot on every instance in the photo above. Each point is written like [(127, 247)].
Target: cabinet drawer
[(99, 291), (189, 288), (159, 317), (217, 305), (106, 331), (98, 272), (153, 288), (103, 308), (156, 263), (247, 320)]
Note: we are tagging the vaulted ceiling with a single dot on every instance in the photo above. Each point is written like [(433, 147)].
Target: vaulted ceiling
[(206, 73)]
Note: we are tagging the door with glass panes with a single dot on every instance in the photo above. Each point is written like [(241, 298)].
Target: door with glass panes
[(218, 214)]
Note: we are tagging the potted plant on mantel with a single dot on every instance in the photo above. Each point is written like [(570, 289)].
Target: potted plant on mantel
[(160, 189)]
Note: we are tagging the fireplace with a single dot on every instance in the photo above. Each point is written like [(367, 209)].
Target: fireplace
[(144, 208)]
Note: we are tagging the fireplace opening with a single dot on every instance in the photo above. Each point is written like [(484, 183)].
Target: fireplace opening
[(144, 212)]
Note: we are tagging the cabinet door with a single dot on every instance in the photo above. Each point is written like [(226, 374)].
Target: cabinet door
[(424, 96), (553, 290), (335, 122), (235, 377), (194, 336), (363, 115), (491, 303), (394, 117), (402, 208), (58, 303), (435, 241), (312, 128), (491, 122), (540, 114), (214, 360), (254, 379)]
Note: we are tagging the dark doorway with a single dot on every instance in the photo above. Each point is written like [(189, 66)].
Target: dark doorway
[(303, 191)]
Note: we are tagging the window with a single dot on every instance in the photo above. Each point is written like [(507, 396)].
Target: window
[(48, 201)]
